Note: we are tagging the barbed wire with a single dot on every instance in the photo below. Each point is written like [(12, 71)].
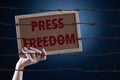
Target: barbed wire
[(62, 69), (87, 38), (43, 10), (68, 54), (82, 23), (86, 54)]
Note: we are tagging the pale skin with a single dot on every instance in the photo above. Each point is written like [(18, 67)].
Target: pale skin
[(31, 58)]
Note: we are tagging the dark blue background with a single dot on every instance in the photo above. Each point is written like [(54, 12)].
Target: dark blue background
[(89, 46)]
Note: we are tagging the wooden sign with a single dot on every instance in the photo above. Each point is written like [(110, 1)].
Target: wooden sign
[(54, 31)]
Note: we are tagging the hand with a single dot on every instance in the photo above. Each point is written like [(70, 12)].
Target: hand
[(31, 57)]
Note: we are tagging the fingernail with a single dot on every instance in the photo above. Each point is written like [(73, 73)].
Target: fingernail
[(24, 47), (43, 50), (40, 52), (23, 51), (31, 47)]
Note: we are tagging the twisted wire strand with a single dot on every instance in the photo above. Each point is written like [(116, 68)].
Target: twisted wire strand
[(43, 10), (87, 38), (71, 54), (82, 23), (62, 69)]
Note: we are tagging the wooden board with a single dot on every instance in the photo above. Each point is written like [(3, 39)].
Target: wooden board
[(52, 30)]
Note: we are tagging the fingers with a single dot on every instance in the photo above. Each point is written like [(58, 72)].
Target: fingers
[(36, 50), (34, 57), (25, 51), (38, 55), (29, 51), (43, 55)]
